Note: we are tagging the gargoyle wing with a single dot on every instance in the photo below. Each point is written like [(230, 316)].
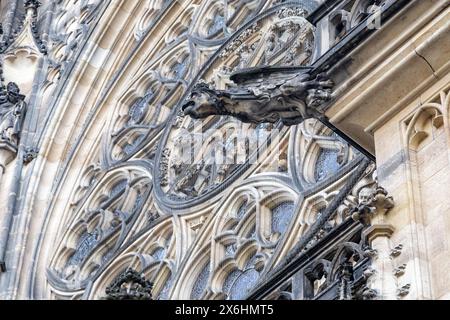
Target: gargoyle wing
[(275, 76), (262, 82)]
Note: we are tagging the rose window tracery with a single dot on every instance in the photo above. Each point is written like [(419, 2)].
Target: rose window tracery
[(99, 226), (187, 174), (202, 209)]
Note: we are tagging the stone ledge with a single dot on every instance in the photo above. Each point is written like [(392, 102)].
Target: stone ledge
[(379, 230), (378, 79)]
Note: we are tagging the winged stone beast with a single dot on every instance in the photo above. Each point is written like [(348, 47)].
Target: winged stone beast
[(263, 95)]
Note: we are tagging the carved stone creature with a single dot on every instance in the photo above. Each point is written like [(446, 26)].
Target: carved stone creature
[(130, 285), (263, 95), (186, 183), (12, 113), (372, 202)]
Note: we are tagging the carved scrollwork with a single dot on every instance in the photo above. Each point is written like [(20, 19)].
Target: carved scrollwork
[(219, 19)]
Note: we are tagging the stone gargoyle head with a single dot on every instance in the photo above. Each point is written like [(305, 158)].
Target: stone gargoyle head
[(203, 102)]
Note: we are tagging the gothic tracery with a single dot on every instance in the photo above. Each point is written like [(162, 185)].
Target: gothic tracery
[(192, 155)]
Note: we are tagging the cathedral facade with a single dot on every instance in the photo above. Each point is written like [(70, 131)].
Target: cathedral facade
[(225, 149)]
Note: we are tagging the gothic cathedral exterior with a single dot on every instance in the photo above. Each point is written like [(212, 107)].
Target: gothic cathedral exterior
[(225, 149)]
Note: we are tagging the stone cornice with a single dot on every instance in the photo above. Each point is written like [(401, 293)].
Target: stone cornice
[(386, 73)]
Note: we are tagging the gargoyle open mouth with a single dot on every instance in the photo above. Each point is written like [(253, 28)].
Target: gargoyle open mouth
[(188, 107)]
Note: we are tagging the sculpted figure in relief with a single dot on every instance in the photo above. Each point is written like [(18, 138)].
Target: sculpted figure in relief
[(12, 113)]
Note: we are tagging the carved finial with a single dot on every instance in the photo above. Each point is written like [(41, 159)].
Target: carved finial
[(404, 290), (399, 271), (369, 294), (396, 251)]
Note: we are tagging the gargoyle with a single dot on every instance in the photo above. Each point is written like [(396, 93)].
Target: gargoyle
[(263, 95)]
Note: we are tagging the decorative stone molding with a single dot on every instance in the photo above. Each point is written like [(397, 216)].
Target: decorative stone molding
[(130, 285), (152, 215), (373, 204), (399, 271), (236, 44), (164, 167), (404, 290), (369, 294), (292, 12), (397, 251), (118, 200), (32, 6)]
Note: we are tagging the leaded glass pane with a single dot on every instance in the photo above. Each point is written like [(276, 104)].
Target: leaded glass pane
[(230, 250), (242, 210), (159, 253), (243, 285), (201, 283), (327, 164), (164, 294), (230, 280), (138, 109), (86, 244), (282, 216)]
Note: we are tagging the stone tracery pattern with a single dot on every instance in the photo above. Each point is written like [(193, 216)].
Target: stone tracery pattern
[(244, 50), (239, 242), (99, 225)]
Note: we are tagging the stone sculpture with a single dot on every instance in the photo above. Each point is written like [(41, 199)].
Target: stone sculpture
[(262, 95)]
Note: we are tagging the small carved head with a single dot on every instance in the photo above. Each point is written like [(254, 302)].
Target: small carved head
[(203, 102), (365, 195)]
